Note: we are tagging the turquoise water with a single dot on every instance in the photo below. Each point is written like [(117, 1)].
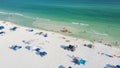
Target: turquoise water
[(89, 19)]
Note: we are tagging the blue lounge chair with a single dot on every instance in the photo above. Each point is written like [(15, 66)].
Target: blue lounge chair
[(14, 28), (2, 32), (37, 49), (1, 27), (15, 47), (43, 53)]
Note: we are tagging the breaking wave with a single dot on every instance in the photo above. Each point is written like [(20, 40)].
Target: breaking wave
[(98, 33), (81, 24), (16, 14)]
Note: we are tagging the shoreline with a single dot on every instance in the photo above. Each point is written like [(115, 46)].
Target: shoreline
[(71, 31), (67, 34)]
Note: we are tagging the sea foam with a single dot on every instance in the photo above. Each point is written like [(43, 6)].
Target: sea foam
[(16, 14), (81, 24)]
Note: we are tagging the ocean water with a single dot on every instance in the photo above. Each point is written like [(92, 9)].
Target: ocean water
[(89, 19)]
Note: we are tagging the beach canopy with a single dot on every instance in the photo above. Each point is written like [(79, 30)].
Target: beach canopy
[(82, 61), (37, 49), (88, 45), (109, 66), (30, 30), (1, 27), (39, 33)]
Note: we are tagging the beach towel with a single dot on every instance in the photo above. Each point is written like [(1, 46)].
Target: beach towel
[(109, 66), (30, 30), (76, 61)]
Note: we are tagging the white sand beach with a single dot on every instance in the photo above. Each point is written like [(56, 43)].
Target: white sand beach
[(96, 57)]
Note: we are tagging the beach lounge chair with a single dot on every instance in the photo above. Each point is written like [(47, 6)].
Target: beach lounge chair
[(1, 27), (39, 33), (37, 49), (15, 47), (117, 66), (43, 53), (13, 29), (109, 66), (2, 32)]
